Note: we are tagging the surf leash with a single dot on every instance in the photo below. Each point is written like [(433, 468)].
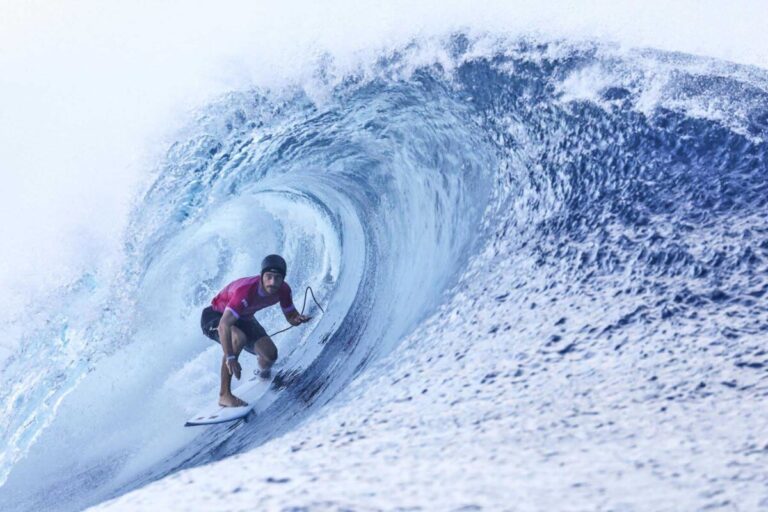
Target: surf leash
[(309, 289)]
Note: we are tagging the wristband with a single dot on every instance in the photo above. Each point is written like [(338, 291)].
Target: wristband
[(231, 358)]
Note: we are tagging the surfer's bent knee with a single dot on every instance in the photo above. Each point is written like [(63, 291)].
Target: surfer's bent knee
[(268, 348)]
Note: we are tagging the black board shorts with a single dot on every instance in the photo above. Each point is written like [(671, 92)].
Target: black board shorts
[(209, 322)]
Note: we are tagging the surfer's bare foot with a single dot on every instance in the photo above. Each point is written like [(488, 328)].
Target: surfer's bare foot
[(230, 401)]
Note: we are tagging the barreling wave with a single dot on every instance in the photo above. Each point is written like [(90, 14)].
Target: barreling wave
[(638, 179)]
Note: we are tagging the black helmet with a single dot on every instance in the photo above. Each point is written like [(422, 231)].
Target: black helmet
[(274, 263)]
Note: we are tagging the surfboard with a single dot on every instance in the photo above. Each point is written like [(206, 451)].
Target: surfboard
[(250, 391)]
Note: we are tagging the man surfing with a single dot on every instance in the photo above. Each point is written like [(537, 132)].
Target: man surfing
[(229, 321)]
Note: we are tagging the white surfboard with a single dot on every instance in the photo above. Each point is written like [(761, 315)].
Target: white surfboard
[(250, 391)]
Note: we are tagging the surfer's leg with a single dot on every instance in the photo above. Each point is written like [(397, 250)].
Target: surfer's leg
[(259, 344), (267, 351), (225, 393)]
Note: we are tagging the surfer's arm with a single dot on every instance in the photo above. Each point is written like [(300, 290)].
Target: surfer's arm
[(228, 319), (289, 310)]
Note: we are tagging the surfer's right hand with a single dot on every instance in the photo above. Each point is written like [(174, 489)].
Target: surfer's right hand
[(233, 366)]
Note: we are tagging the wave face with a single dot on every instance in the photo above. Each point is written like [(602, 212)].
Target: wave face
[(625, 195)]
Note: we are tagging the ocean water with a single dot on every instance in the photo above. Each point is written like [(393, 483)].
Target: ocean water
[(544, 265)]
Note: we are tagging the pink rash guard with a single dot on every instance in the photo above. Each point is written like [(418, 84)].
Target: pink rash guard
[(245, 296)]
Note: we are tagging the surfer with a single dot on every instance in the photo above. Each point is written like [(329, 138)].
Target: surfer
[(229, 321)]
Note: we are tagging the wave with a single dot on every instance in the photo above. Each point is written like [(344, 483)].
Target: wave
[(632, 184)]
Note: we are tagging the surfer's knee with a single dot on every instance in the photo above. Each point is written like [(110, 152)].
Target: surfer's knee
[(267, 349)]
